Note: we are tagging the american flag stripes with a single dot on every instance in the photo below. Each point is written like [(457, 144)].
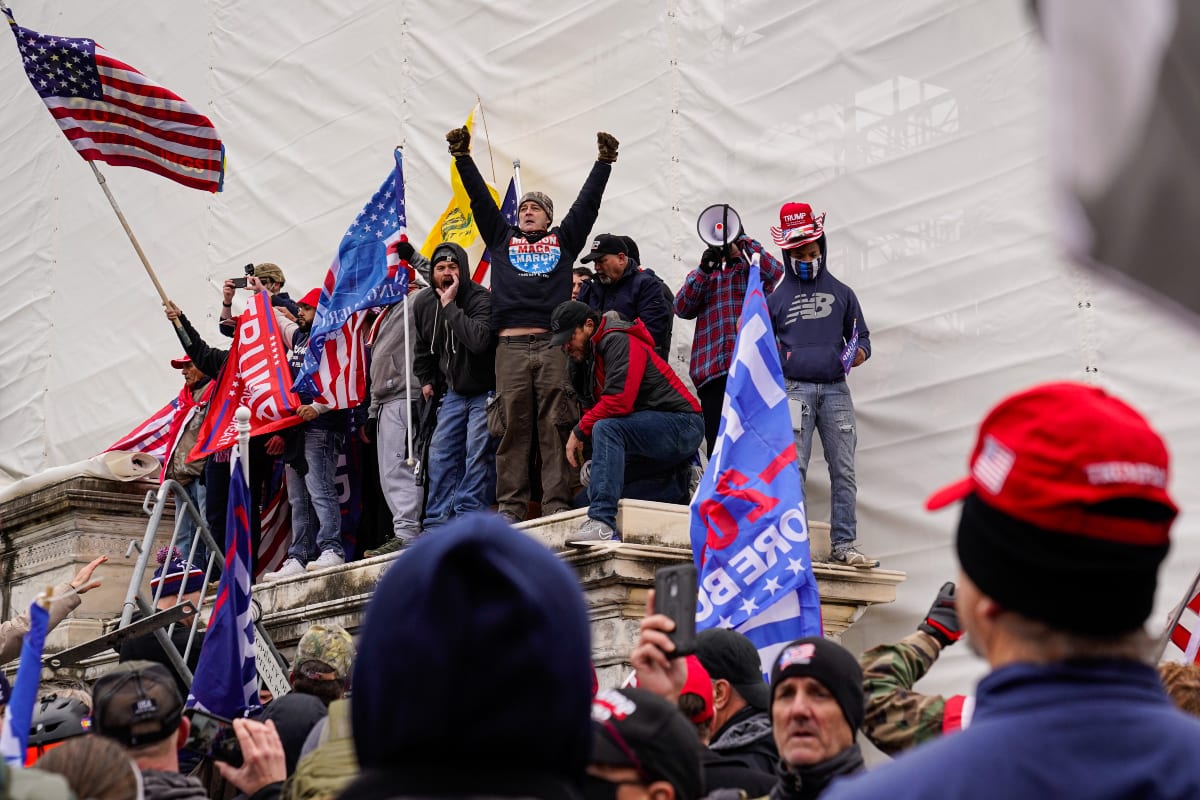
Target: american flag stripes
[(154, 436), (275, 525), (111, 112), (993, 465), (366, 273), (159, 434)]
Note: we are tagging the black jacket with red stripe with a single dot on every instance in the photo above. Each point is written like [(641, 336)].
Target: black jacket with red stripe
[(626, 375)]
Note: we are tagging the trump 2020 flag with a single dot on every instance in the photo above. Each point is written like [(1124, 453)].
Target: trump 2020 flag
[(749, 527), (366, 273), (19, 713), (226, 680), (111, 112)]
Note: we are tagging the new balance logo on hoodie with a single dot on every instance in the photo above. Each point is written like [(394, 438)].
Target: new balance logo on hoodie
[(809, 306)]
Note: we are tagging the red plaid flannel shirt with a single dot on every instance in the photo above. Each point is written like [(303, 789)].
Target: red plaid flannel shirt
[(715, 302)]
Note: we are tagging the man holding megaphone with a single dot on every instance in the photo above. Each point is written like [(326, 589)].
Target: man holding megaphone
[(712, 294)]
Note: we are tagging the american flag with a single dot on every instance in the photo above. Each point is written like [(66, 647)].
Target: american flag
[(111, 112), (1185, 635), (226, 681), (276, 524), (993, 465), (159, 434), (366, 273), (483, 270)]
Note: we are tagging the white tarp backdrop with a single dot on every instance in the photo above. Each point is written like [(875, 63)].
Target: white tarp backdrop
[(918, 126)]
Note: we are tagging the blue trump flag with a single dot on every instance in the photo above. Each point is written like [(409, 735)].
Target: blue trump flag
[(366, 272), (226, 680), (19, 713), (749, 528)]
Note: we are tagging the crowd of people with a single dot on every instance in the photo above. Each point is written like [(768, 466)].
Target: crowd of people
[(473, 678), (547, 391)]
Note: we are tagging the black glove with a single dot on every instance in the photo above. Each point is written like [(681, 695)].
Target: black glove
[(607, 144), (405, 250), (459, 140), (942, 621), (711, 259)]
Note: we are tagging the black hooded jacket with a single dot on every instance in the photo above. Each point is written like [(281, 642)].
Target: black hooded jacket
[(455, 345)]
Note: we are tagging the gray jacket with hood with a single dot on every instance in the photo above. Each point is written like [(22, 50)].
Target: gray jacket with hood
[(391, 368)]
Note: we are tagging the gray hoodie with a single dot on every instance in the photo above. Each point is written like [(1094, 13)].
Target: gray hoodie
[(391, 365)]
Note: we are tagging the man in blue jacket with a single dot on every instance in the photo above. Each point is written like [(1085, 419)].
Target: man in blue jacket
[(621, 285), (821, 334), (1065, 521)]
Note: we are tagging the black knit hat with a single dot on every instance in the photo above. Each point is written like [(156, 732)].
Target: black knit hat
[(829, 663), (475, 650)]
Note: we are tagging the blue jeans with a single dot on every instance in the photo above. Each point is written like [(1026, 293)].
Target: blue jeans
[(462, 460), (187, 526), (828, 409), (635, 446), (314, 498)]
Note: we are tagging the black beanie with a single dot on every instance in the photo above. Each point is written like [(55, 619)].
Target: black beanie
[(1077, 583), (829, 663), (475, 651)]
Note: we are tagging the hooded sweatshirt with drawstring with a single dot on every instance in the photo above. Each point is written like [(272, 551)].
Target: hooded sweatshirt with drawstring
[(455, 345), (814, 319)]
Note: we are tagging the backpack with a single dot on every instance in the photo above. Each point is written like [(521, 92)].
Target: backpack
[(326, 771)]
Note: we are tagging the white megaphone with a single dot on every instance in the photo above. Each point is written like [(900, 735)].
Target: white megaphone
[(719, 225)]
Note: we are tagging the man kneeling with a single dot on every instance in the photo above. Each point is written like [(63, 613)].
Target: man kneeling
[(641, 420)]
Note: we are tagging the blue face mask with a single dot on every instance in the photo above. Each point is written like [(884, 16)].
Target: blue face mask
[(806, 270)]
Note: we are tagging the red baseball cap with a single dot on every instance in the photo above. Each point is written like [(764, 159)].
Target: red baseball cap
[(699, 683), (180, 363), (797, 226), (1050, 454)]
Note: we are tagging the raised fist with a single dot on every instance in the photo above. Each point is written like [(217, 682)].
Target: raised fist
[(459, 140), (607, 144), (405, 250), (942, 621)]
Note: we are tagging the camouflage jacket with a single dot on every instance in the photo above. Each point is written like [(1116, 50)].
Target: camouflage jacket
[(898, 718)]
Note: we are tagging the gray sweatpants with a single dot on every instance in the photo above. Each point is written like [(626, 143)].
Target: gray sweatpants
[(397, 480)]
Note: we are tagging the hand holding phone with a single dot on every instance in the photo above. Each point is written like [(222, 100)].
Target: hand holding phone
[(212, 737), (675, 597)]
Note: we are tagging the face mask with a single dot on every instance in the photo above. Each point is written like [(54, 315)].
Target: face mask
[(806, 270)]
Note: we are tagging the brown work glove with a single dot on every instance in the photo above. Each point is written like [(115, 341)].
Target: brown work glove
[(607, 144), (459, 140)]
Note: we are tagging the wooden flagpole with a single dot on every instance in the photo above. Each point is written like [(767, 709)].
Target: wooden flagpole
[(112, 201)]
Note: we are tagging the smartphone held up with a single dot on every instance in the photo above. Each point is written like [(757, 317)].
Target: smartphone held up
[(675, 597)]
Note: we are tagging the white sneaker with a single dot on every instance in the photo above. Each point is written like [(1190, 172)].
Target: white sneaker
[(327, 559), (290, 568)]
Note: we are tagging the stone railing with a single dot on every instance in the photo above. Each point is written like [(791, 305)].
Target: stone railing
[(47, 535)]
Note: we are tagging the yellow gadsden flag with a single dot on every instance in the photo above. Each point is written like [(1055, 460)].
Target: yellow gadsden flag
[(457, 223)]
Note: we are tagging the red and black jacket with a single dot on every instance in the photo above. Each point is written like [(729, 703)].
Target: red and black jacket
[(628, 376)]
